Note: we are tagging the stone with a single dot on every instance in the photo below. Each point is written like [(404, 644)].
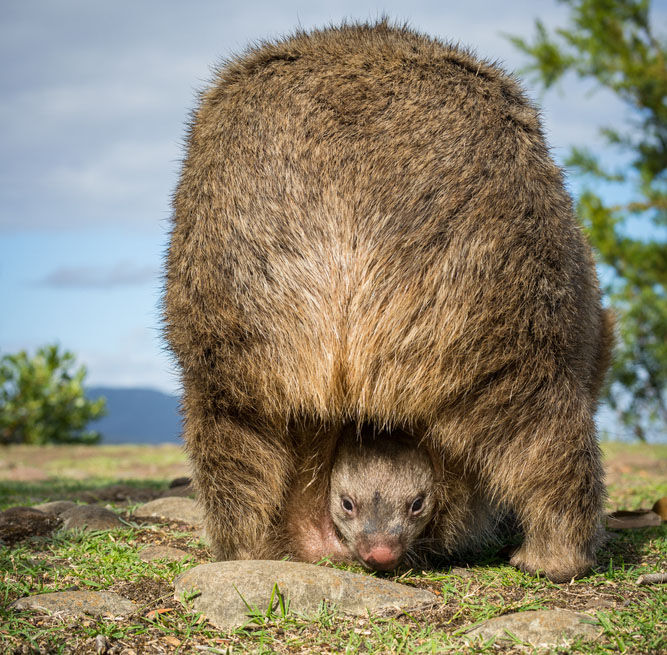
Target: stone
[(78, 603), (630, 520), (153, 553), (55, 507), (184, 491), (171, 508), (18, 523), (120, 493), (102, 644), (223, 587), (652, 578), (539, 628), (90, 517), (660, 508)]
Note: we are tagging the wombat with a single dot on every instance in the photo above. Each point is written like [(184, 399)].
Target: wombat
[(382, 496), (369, 237)]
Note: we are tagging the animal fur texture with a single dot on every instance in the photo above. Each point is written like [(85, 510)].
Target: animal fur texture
[(369, 231)]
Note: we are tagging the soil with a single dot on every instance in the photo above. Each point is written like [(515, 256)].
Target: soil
[(17, 523)]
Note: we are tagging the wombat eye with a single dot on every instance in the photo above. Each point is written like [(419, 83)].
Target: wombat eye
[(417, 505), (347, 504)]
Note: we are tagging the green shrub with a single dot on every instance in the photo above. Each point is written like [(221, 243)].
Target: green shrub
[(42, 401)]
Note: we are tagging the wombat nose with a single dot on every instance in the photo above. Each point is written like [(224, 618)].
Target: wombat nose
[(382, 558)]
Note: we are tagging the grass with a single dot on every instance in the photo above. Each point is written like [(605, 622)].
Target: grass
[(631, 619)]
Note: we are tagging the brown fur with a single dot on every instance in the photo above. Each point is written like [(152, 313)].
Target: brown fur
[(369, 230)]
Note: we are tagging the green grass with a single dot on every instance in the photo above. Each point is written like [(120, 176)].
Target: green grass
[(631, 619)]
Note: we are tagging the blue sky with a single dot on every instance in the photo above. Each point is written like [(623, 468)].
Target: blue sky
[(94, 101)]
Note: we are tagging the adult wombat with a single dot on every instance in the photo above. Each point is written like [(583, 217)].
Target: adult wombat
[(369, 235)]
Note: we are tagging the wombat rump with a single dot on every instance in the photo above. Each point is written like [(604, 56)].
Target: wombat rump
[(375, 274)]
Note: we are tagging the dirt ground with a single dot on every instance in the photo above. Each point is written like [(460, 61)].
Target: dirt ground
[(36, 464)]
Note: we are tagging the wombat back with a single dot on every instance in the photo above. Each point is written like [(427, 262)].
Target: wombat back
[(376, 221)]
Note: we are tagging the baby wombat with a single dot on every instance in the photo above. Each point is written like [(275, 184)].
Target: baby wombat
[(382, 497), (369, 236)]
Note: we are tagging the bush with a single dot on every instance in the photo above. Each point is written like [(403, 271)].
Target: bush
[(42, 401)]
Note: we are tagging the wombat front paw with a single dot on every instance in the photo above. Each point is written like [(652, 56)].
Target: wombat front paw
[(560, 567)]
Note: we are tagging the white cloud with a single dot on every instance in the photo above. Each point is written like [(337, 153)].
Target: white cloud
[(122, 274)]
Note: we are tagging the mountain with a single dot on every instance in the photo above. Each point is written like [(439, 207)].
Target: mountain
[(137, 416)]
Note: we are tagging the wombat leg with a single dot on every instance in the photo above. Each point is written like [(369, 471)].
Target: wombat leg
[(240, 472), (552, 478)]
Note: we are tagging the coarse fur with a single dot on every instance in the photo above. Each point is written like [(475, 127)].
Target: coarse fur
[(369, 231)]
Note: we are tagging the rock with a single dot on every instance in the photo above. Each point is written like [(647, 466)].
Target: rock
[(152, 553), (118, 493), (78, 603), (627, 520), (539, 628), (660, 508), (184, 491), (90, 517), (55, 507), (224, 586), (461, 572), (102, 644), (17, 523), (171, 508), (652, 578)]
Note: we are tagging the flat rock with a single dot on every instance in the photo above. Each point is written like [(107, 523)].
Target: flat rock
[(183, 491), (539, 628), (171, 508), (90, 517), (55, 507), (17, 523), (224, 586), (629, 520), (77, 603), (152, 553)]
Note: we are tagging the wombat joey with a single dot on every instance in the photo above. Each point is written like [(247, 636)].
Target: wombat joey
[(382, 497)]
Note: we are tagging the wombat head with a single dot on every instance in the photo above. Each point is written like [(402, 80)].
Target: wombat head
[(382, 496)]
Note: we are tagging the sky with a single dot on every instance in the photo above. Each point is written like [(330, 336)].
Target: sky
[(94, 101)]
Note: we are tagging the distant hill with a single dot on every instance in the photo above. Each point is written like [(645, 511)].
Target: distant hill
[(137, 416)]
